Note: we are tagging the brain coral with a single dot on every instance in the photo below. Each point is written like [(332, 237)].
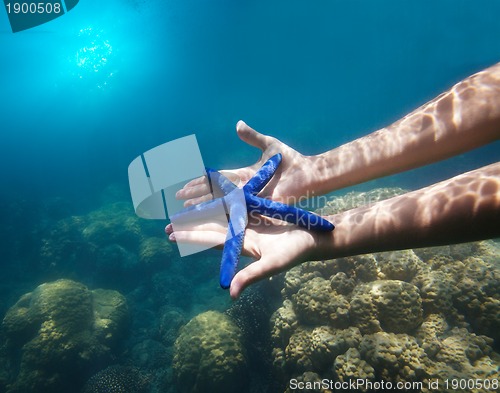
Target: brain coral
[(399, 265), (350, 367), (479, 296), (209, 355), (437, 289), (394, 356), (294, 278), (456, 353), (317, 303), (342, 283), (428, 333), (316, 349), (283, 322), (420, 315), (390, 305), (55, 334)]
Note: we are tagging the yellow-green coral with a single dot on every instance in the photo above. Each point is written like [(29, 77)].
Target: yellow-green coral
[(154, 251), (283, 323), (316, 348), (350, 367), (393, 305), (65, 304), (110, 314), (317, 303), (294, 279), (420, 314), (395, 356), (209, 355), (114, 223), (57, 332), (399, 265)]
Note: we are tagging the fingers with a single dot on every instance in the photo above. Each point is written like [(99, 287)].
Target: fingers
[(215, 226), (194, 189), (254, 272), (252, 137), (198, 190), (203, 238), (194, 201), (197, 181)]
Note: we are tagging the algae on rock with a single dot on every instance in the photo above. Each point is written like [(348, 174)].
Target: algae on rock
[(58, 333), (209, 355)]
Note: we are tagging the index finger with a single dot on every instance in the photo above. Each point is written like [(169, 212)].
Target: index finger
[(195, 192), (194, 189)]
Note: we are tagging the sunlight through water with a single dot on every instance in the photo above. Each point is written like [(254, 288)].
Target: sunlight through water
[(93, 58)]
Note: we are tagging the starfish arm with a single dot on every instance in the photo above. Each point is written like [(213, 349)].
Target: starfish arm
[(263, 175), (233, 244), (219, 183), (199, 212), (288, 213)]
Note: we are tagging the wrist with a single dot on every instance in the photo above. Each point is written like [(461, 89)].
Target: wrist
[(325, 243), (342, 241), (320, 166)]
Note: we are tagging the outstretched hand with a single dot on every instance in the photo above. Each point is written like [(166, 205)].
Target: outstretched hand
[(275, 245), (290, 182)]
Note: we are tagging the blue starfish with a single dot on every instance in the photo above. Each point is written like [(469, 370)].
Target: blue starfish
[(238, 204)]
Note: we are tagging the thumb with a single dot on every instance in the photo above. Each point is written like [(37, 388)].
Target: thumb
[(252, 137), (254, 272)]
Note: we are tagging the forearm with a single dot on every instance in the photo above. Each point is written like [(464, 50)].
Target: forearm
[(465, 117), (464, 208)]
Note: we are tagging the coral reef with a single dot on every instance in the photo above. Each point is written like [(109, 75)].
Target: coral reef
[(284, 322), (118, 379), (403, 319), (251, 313), (479, 296), (350, 367), (316, 348), (395, 357), (407, 316), (316, 302), (209, 355), (58, 333), (389, 305), (399, 265), (111, 245), (427, 314)]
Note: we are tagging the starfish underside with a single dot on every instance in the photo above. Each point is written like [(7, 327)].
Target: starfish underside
[(238, 203)]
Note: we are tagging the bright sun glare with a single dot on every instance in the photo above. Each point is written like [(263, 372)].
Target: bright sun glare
[(93, 57)]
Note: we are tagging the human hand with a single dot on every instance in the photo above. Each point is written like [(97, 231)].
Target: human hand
[(291, 182), (275, 245)]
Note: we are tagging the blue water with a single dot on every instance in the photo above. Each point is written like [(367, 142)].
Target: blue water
[(315, 75), (83, 95)]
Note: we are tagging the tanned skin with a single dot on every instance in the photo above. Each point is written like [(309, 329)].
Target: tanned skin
[(464, 208)]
